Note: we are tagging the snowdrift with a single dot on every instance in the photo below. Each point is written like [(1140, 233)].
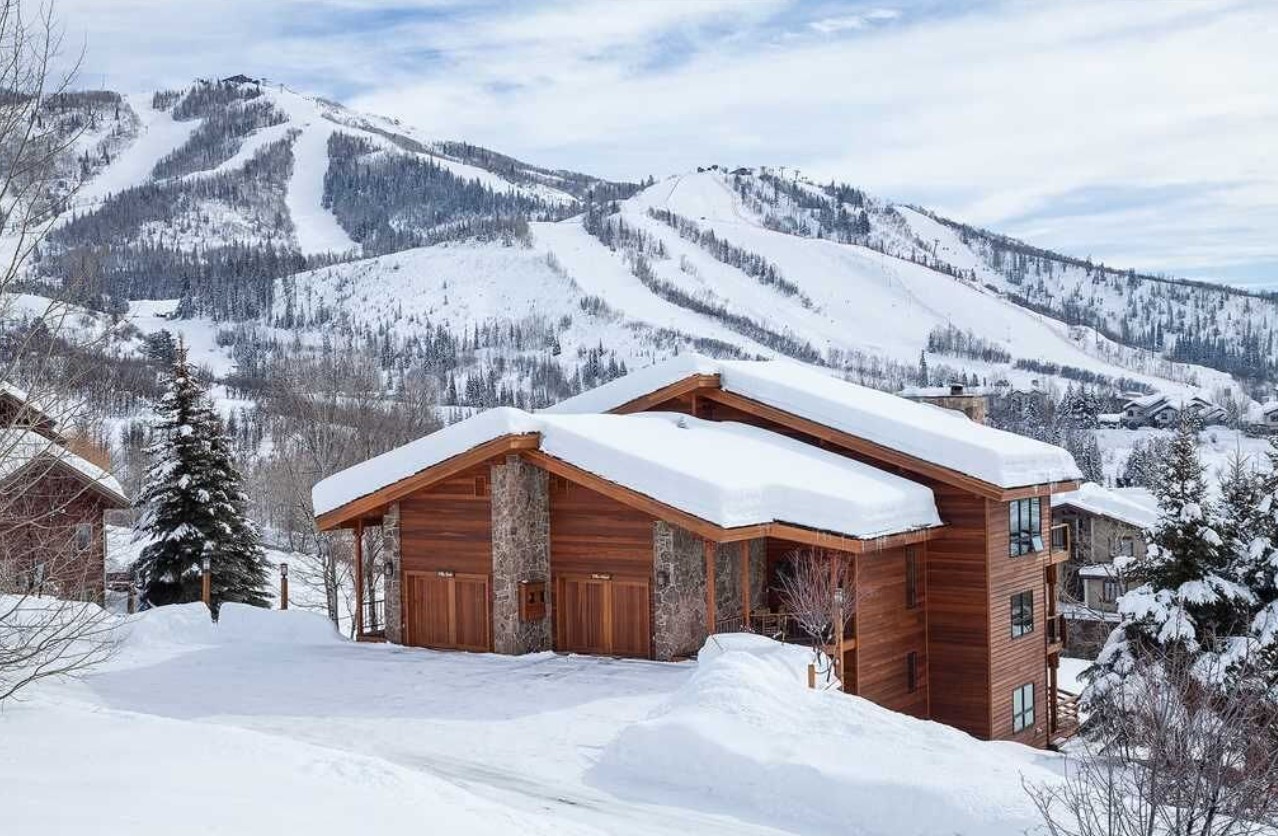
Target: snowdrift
[(746, 737), (189, 624)]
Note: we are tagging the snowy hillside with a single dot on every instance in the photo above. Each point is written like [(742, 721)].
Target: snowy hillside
[(307, 224)]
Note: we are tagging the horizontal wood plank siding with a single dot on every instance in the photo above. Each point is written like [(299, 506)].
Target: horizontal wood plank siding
[(958, 626), (448, 526), (1016, 662), (888, 630), (591, 533)]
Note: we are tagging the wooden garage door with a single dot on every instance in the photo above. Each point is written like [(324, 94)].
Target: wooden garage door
[(603, 615), (447, 611)]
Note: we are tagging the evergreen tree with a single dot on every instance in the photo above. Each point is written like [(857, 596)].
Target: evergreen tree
[(193, 506), (923, 377), (1188, 606)]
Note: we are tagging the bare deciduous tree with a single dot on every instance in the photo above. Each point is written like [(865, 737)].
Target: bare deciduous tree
[(1178, 755), (44, 630), (813, 592), (327, 413)]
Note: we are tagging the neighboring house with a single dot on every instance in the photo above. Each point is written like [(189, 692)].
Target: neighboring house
[(1264, 418), (52, 503), (1103, 524), (639, 517), (1162, 411)]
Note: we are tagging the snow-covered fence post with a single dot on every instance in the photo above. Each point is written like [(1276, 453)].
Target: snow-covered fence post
[(283, 586)]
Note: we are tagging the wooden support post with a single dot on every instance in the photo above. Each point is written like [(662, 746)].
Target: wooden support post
[(359, 579), (745, 586), (283, 586), (206, 584), (133, 599), (711, 617), (840, 593), (1054, 703), (811, 675)]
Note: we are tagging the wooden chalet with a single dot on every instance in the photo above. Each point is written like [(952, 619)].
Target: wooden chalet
[(52, 502), (596, 527)]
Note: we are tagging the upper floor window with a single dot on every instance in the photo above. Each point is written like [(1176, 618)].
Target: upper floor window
[(1126, 547), (1023, 707), (1109, 591), (1025, 526), (83, 536), (1022, 613)]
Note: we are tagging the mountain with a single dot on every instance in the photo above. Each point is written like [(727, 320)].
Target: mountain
[(285, 223)]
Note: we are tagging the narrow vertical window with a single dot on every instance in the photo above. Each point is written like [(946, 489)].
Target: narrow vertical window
[(1022, 613), (1023, 707), (1024, 526), (912, 671), (911, 578)]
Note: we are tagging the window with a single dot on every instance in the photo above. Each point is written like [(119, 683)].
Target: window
[(1022, 613), (1126, 547), (1109, 591), (911, 579), (1023, 707), (912, 671), (83, 536), (1025, 527)]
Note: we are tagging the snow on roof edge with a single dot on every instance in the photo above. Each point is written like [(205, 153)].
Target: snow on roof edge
[(921, 430), (728, 474)]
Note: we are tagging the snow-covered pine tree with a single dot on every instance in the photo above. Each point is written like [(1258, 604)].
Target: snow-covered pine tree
[(1188, 606), (1257, 567), (193, 506)]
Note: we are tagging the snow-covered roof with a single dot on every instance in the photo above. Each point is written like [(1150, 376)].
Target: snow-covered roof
[(1098, 570), (1146, 401), (942, 391), (725, 473), (1135, 507), (939, 436), (21, 447)]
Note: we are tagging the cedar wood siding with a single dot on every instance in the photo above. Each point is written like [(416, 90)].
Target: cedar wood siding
[(1016, 662), (38, 518), (958, 621), (448, 526), (887, 631), (593, 534)]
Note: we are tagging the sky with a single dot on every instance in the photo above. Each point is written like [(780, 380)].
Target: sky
[(1142, 134)]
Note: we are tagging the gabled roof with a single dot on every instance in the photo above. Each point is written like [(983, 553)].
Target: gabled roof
[(732, 476), (1135, 507), (22, 448), (920, 431)]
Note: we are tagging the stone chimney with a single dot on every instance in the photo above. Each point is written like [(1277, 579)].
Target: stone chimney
[(956, 396)]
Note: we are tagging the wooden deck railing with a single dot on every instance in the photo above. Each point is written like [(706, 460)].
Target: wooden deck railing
[(374, 619), (783, 627), (1061, 538), (1056, 629), (1066, 720)]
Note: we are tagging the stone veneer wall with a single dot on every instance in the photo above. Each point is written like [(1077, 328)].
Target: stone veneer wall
[(391, 551), (521, 552), (679, 588)]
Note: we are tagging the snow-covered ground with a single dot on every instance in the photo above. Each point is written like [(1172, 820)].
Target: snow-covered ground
[(269, 723)]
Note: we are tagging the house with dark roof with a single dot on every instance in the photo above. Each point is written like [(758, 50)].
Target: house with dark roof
[(643, 516)]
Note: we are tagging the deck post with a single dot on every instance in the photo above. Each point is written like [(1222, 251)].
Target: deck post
[(359, 579), (711, 617), (745, 586)]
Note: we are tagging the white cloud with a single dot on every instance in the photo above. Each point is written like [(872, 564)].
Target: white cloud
[(994, 114)]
